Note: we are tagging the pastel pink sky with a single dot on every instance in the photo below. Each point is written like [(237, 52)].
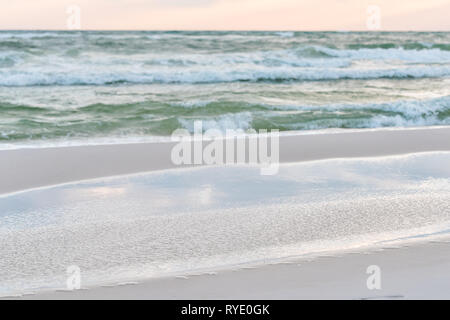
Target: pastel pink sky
[(226, 14)]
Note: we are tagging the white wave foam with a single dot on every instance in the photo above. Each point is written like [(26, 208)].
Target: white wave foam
[(30, 35), (419, 56), (264, 58), (90, 76), (399, 121), (224, 122), (286, 34), (409, 108)]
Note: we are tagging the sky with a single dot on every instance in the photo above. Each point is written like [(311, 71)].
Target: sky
[(226, 14)]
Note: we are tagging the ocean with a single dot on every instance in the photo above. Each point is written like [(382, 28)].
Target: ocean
[(84, 87)]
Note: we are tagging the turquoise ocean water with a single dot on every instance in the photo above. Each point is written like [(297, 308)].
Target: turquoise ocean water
[(83, 87)]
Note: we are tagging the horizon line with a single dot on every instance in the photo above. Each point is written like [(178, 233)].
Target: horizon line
[(224, 30)]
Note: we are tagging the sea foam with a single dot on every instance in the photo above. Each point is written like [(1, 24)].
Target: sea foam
[(181, 221)]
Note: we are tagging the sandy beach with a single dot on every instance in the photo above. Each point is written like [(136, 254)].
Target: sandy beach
[(417, 268), (419, 271), (37, 167)]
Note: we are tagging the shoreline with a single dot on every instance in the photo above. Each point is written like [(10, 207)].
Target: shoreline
[(24, 169), (409, 271)]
